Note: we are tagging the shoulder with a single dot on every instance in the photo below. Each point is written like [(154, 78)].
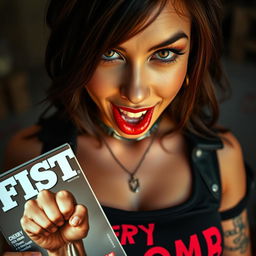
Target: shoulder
[(232, 171), (23, 146)]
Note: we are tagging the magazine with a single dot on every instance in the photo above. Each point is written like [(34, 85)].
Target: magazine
[(55, 170)]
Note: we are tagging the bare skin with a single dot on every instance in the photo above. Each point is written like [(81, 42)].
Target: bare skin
[(165, 175), (54, 220)]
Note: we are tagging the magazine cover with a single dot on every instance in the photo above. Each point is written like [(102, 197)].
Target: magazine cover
[(25, 181)]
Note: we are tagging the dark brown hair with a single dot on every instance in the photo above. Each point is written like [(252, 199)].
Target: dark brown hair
[(81, 31)]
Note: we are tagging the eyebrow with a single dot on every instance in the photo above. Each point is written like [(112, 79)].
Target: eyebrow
[(169, 41), (177, 36)]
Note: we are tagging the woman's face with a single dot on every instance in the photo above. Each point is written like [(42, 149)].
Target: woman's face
[(135, 81)]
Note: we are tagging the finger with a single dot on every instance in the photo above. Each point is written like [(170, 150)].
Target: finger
[(37, 215), (22, 254), (78, 224), (79, 219), (66, 203), (46, 201), (31, 228)]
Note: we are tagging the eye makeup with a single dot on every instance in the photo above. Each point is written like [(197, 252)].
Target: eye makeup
[(111, 55), (169, 55), (166, 55)]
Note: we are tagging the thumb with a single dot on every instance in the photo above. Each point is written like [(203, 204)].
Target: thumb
[(79, 216), (78, 224), (77, 227)]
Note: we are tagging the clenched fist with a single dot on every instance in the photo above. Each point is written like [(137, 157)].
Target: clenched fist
[(55, 220)]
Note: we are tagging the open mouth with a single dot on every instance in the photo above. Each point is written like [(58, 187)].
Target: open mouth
[(132, 121)]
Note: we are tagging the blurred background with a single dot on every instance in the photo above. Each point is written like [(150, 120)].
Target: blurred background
[(23, 80)]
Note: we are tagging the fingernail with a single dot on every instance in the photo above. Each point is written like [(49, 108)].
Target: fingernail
[(75, 221)]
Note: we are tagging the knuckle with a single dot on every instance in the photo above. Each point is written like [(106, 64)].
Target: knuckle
[(23, 221), (38, 231), (83, 209), (67, 212), (29, 205), (57, 219), (44, 194), (63, 193), (48, 225)]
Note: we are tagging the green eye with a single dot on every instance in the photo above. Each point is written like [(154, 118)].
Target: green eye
[(111, 55), (163, 54), (167, 55)]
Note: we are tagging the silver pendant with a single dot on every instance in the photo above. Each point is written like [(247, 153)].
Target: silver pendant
[(134, 184)]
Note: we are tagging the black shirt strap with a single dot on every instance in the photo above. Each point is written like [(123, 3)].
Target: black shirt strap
[(204, 159)]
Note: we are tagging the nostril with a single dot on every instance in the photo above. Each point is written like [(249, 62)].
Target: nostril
[(123, 93), (134, 94), (123, 97)]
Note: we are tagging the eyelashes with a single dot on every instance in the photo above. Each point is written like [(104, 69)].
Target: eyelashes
[(111, 55), (166, 55)]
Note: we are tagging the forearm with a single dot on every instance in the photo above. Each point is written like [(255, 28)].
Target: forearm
[(237, 236)]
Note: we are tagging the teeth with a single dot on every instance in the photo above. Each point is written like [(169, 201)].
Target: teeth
[(133, 115)]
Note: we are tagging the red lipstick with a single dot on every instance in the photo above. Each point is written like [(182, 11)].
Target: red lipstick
[(132, 121)]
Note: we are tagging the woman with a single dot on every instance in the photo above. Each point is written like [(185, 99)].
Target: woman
[(133, 83)]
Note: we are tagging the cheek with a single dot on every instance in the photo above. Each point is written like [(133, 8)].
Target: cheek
[(102, 85), (169, 83)]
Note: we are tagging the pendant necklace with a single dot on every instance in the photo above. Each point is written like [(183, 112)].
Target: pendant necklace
[(133, 182)]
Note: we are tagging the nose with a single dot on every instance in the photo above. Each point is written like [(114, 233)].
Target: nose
[(134, 87)]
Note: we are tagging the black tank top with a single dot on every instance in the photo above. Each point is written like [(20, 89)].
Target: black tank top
[(191, 228)]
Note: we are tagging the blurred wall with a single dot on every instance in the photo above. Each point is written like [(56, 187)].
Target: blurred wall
[(23, 79), (22, 26)]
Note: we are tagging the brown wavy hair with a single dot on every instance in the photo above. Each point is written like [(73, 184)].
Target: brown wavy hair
[(81, 31)]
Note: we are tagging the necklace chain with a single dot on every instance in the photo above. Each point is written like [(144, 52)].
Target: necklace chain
[(133, 182)]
